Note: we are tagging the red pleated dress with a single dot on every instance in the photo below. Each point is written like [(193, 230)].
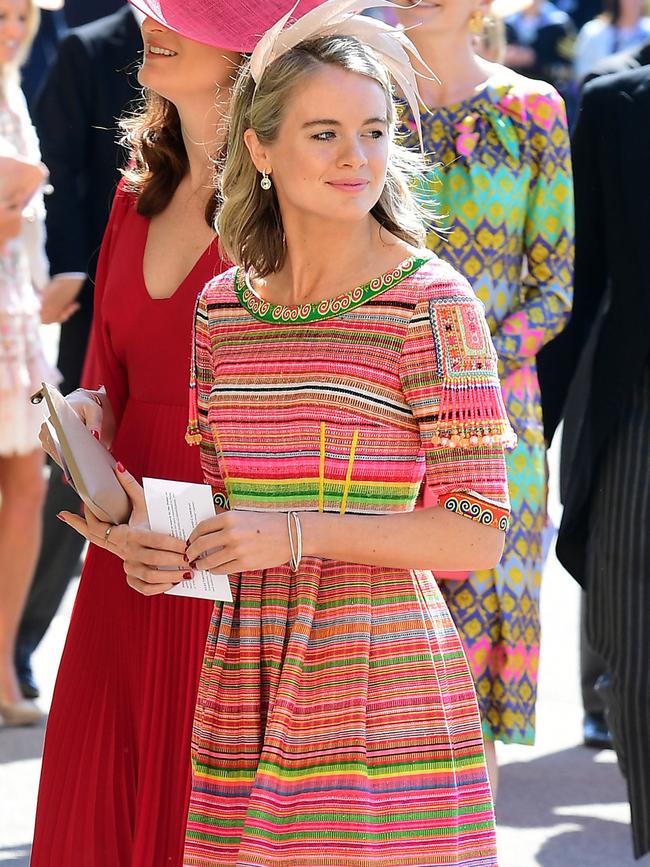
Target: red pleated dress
[(116, 769)]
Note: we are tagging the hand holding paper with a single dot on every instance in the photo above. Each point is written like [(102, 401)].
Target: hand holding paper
[(240, 541), (175, 508)]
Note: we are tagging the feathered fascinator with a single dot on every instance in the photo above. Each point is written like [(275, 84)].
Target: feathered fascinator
[(343, 18)]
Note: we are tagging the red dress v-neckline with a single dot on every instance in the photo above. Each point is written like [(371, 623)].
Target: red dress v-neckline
[(146, 223)]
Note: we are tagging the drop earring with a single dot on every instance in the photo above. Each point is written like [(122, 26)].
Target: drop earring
[(477, 23), (265, 183)]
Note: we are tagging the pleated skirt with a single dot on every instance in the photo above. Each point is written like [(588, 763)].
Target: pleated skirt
[(116, 769), (337, 726)]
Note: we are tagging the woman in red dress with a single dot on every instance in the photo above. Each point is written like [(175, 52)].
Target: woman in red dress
[(116, 769)]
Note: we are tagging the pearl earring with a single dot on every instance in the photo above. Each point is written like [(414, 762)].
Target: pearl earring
[(265, 183)]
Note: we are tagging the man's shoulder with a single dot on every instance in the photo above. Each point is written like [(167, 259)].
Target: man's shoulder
[(104, 32), (622, 61), (607, 88)]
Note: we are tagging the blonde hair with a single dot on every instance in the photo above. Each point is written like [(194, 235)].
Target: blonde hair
[(11, 70), (249, 221)]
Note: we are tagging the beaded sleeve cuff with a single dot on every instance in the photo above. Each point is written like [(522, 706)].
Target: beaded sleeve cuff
[(469, 505)]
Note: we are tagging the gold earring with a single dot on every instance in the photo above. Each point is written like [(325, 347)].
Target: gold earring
[(476, 23)]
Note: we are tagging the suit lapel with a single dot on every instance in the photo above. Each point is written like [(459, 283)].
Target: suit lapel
[(634, 159)]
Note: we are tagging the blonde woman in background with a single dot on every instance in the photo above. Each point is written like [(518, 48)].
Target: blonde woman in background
[(23, 271), (503, 188)]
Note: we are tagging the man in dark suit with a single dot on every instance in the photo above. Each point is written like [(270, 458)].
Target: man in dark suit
[(593, 674), (597, 375), (87, 88), (51, 30)]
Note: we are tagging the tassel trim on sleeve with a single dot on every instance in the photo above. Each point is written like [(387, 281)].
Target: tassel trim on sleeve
[(193, 435), (471, 412)]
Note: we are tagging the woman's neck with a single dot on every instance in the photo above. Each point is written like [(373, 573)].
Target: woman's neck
[(325, 258), (454, 61), (204, 134)]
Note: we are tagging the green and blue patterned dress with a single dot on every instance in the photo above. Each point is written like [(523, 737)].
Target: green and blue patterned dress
[(503, 185)]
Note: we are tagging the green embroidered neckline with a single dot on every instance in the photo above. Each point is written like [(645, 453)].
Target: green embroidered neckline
[(283, 313)]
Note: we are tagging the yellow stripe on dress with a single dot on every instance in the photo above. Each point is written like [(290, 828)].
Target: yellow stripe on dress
[(321, 471), (348, 476)]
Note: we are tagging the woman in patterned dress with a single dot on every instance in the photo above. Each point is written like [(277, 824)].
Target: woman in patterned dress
[(502, 182), (336, 721), (23, 270)]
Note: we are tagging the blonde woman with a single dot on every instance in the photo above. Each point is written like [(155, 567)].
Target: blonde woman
[(23, 271), (338, 363), (503, 186)]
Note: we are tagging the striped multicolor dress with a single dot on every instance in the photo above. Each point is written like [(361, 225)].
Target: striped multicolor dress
[(336, 721), (504, 188)]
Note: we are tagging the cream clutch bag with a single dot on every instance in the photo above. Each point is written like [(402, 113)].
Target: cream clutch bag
[(87, 463)]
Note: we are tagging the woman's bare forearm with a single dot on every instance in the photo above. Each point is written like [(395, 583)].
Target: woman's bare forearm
[(425, 539)]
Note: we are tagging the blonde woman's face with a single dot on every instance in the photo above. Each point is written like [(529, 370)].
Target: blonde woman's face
[(181, 69), (14, 20), (330, 158)]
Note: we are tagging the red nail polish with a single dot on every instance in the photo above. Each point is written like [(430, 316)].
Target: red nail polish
[(187, 543), (187, 575), (120, 467), (95, 433), (185, 558), (193, 564), (60, 517)]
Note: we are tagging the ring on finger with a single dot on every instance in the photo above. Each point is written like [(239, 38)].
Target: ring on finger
[(108, 533)]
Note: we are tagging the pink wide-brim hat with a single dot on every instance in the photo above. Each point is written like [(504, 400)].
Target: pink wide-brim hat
[(234, 25)]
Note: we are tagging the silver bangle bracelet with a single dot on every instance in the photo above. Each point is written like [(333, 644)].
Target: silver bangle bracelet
[(293, 523)]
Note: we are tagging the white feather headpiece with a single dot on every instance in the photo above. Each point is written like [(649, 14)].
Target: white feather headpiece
[(343, 18)]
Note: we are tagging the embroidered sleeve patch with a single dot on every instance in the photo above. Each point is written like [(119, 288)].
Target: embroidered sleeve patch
[(477, 509), (461, 338), (471, 411)]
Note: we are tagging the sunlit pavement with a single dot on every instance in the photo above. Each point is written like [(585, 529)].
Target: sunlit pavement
[(560, 804)]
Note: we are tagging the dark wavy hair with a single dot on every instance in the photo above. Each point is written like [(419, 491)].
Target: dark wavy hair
[(158, 162)]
